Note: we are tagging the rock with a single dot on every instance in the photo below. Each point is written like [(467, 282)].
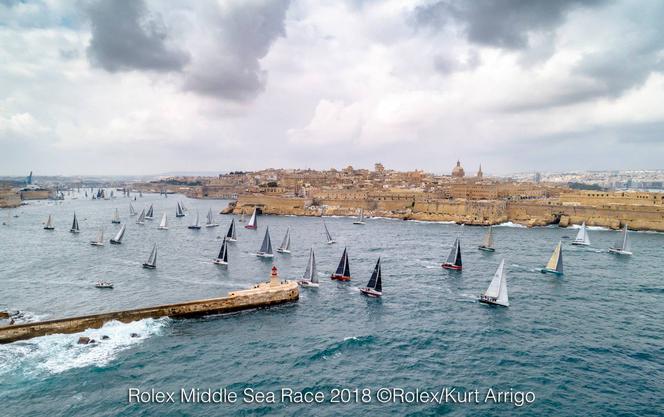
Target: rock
[(104, 337), (83, 340), (135, 335), (4, 315)]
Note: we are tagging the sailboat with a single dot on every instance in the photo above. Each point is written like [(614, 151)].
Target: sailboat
[(116, 217), (141, 217), (343, 269), (222, 258), (152, 260), (230, 235), (555, 265), (196, 225), (285, 244), (582, 237), (252, 221), (210, 219), (99, 241), (374, 287), (622, 246), (487, 245), (454, 258), (178, 210), (164, 222), (496, 294), (360, 219), (328, 235), (49, 223), (74, 225), (118, 237), (132, 210), (241, 217), (309, 278), (150, 214), (266, 248)]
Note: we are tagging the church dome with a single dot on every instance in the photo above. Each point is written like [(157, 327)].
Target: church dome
[(458, 170)]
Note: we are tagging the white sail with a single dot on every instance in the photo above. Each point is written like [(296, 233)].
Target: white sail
[(252, 220), (152, 260), (116, 216), (163, 225), (118, 237), (582, 237), (196, 223), (132, 211), (49, 222), (497, 291), (360, 218)]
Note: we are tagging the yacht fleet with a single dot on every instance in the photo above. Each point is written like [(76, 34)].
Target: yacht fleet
[(496, 293)]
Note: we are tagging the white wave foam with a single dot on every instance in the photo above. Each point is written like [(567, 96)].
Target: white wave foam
[(61, 352), (578, 226), (510, 224)]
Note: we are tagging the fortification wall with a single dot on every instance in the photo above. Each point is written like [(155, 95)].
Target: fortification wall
[(9, 198)]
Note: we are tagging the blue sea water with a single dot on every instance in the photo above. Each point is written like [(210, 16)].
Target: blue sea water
[(588, 343)]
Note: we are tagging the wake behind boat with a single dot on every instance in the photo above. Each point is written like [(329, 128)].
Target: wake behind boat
[(496, 294), (582, 238), (343, 269), (309, 278), (374, 287), (555, 265), (622, 246)]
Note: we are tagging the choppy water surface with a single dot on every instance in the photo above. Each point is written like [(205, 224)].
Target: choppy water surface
[(589, 343)]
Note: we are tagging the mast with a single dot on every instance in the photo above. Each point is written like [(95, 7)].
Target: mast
[(454, 257), (252, 221), (223, 252), (152, 260), (74, 225), (341, 268), (150, 213), (196, 224), (164, 222), (141, 217), (327, 232), (132, 211), (625, 242), (230, 235), (209, 216), (116, 216)]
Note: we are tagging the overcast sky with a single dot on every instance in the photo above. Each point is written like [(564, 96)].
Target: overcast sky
[(145, 87)]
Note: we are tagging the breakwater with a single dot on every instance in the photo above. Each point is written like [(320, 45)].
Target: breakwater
[(261, 295), (530, 213)]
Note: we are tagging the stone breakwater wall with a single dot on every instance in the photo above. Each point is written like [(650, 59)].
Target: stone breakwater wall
[(9, 198), (236, 301), (491, 212)]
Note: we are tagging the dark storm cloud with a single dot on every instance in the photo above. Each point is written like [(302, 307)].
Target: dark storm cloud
[(243, 34), (126, 37), (499, 23)]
